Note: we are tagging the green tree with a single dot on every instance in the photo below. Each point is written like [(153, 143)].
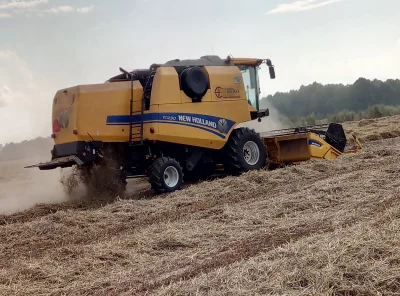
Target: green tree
[(323, 100)]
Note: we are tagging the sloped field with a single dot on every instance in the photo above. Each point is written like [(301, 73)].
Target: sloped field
[(375, 129), (320, 228)]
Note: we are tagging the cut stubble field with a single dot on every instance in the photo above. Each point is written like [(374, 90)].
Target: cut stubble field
[(319, 228)]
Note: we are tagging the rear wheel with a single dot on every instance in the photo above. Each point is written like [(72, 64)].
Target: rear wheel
[(245, 151), (165, 175)]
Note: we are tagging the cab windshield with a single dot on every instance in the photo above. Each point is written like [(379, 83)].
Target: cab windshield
[(251, 84)]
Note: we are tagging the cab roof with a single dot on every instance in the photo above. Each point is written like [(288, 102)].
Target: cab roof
[(213, 60), (204, 61), (247, 61)]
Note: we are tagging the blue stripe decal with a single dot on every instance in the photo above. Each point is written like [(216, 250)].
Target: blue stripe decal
[(179, 123), (314, 143), (125, 119), (216, 125)]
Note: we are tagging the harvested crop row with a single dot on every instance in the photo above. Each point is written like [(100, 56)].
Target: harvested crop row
[(198, 239)]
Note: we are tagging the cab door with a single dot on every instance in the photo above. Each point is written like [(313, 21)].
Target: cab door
[(251, 84)]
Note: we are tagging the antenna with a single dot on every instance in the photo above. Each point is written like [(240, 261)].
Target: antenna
[(213, 50)]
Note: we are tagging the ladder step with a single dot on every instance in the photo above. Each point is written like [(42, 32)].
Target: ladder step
[(134, 137)]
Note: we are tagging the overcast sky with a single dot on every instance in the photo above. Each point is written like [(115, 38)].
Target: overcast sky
[(46, 45)]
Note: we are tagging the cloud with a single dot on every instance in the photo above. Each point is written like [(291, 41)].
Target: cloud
[(25, 100), (302, 5), (22, 4), (61, 9), (85, 9), (10, 60), (29, 8), (68, 9), (6, 95)]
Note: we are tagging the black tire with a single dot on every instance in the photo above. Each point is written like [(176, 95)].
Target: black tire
[(235, 161), (194, 81), (158, 171)]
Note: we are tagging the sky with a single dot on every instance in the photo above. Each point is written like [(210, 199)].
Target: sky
[(46, 45)]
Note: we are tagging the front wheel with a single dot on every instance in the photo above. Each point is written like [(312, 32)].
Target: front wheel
[(245, 151), (165, 175)]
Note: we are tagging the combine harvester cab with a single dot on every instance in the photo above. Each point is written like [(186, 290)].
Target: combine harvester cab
[(295, 145)]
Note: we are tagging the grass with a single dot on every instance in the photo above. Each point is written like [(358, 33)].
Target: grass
[(320, 228)]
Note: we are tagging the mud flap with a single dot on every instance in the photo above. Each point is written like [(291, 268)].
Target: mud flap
[(61, 162)]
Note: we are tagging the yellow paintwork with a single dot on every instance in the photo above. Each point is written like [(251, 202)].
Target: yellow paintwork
[(297, 148), (165, 87), (247, 61), (197, 137), (92, 104), (88, 107), (66, 100), (357, 147)]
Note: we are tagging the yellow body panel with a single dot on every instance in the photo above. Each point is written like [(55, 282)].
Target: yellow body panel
[(65, 104), (91, 104), (298, 147), (247, 61), (102, 111), (188, 131), (226, 84), (97, 102), (166, 87)]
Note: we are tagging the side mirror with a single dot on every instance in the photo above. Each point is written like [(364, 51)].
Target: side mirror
[(271, 72), (271, 68)]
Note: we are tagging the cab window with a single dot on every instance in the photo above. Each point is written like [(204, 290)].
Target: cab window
[(250, 81)]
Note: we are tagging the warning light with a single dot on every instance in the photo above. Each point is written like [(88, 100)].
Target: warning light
[(75, 131), (56, 126), (152, 130)]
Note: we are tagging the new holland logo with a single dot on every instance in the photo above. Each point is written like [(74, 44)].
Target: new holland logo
[(63, 119), (223, 126)]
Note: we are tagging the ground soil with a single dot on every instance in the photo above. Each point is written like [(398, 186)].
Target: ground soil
[(319, 228)]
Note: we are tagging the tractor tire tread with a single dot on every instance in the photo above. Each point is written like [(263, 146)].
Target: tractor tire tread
[(233, 163), (154, 174)]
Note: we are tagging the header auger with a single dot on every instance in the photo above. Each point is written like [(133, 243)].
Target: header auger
[(173, 122)]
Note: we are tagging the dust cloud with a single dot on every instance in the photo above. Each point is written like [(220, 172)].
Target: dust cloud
[(21, 188), (274, 121)]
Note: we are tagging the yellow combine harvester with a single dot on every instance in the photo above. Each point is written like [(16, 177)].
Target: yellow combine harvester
[(176, 121)]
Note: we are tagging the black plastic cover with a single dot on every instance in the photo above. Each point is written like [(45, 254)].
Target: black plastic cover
[(194, 82)]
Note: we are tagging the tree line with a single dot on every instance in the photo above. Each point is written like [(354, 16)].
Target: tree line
[(317, 103), (39, 147)]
